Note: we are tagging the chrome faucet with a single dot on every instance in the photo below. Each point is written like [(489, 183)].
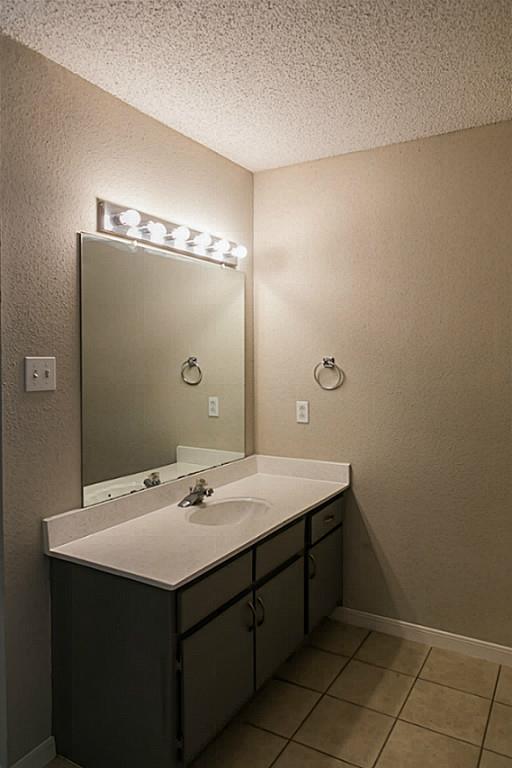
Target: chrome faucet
[(152, 480), (197, 494)]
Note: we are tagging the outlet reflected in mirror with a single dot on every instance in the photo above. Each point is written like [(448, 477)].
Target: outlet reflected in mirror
[(163, 392)]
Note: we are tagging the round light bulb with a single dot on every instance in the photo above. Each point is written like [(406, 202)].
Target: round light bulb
[(203, 240), (181, 234), (240, 252), (157, 230), (222, 246), (129, 218)]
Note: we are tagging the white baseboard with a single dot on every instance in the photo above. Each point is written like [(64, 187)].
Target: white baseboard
[(38, 757), (499, 654)]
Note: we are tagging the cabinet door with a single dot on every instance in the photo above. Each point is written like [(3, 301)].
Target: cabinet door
[(218, 674), (325, 577), (280, 619)]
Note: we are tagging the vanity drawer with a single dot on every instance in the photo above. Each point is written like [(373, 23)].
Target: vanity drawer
[(280, 548), (326, 519), (214, 590)]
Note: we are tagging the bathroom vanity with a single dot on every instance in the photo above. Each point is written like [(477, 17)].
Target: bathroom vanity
[(165, 624), (166, 620)]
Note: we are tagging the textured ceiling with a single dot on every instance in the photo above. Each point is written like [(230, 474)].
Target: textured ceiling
[(273, 82)]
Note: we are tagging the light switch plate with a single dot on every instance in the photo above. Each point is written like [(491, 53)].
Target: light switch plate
[(213, 406), (302, 411), (40, 374)]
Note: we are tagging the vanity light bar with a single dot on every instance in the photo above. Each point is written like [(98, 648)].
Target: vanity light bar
[(132, 225)]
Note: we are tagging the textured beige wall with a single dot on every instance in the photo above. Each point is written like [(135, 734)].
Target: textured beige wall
[(65, 143), (398, 262), (143, 314)]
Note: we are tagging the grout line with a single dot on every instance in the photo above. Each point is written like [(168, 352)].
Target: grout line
[(402, 707), (340, 760), (266, 730), (417, 677), (381, 666), (502, 703), (459, 690), (274, 761), (489, 716), (349, 660), (323, 695), (500, 754), (333, 653), (300, 685), (361, 706), (397, 718), (440, 733)]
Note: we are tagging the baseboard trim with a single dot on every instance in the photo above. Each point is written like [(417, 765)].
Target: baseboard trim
[(499, 654), (38, 757)]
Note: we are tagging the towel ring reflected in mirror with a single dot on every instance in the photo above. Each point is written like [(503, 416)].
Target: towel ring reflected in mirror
[(189, 364), (330, 364)]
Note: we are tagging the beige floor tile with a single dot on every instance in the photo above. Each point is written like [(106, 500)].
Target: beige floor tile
[(499, 732), (459, 671), (336, 637), (412, 747), (373, 687), (313, 668), (491, 760), (393, 653), (241, 746), (345, 731), (298, 756), (504, 690), (451, 712), (279, 707)]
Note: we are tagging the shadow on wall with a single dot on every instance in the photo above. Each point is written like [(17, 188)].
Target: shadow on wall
[(380, 585)]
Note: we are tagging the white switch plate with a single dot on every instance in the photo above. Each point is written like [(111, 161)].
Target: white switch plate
[(40, 374), (213, 406), (302, 411)]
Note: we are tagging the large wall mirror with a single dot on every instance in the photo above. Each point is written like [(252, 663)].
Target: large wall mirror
[(163, 392)]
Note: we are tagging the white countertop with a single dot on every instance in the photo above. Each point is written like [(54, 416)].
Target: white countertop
[(163, 548)]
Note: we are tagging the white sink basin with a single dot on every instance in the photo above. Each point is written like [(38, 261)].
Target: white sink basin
[(228, 512)]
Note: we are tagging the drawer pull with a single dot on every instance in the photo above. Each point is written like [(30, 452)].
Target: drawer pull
[(259, 601), (312, 571), (328, 518), (254, 617)]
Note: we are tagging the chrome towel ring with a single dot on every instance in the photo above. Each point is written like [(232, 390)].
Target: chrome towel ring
[(329, 362), (190, 363)]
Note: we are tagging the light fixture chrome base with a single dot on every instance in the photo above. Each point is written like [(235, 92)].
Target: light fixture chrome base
[(136, 226)]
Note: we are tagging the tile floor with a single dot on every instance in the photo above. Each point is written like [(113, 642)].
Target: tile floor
[(353, 698)]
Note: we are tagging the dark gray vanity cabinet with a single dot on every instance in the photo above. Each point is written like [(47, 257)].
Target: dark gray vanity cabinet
[(324, 563), (216, 674), (280, 619), (148, 676), (113, 669)]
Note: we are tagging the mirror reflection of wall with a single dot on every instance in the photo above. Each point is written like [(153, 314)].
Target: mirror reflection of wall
[(144, 313)]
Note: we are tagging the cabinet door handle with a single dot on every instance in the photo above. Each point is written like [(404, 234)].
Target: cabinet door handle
[(312, 571), (254, 617), (259, 601), (328, 518)]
